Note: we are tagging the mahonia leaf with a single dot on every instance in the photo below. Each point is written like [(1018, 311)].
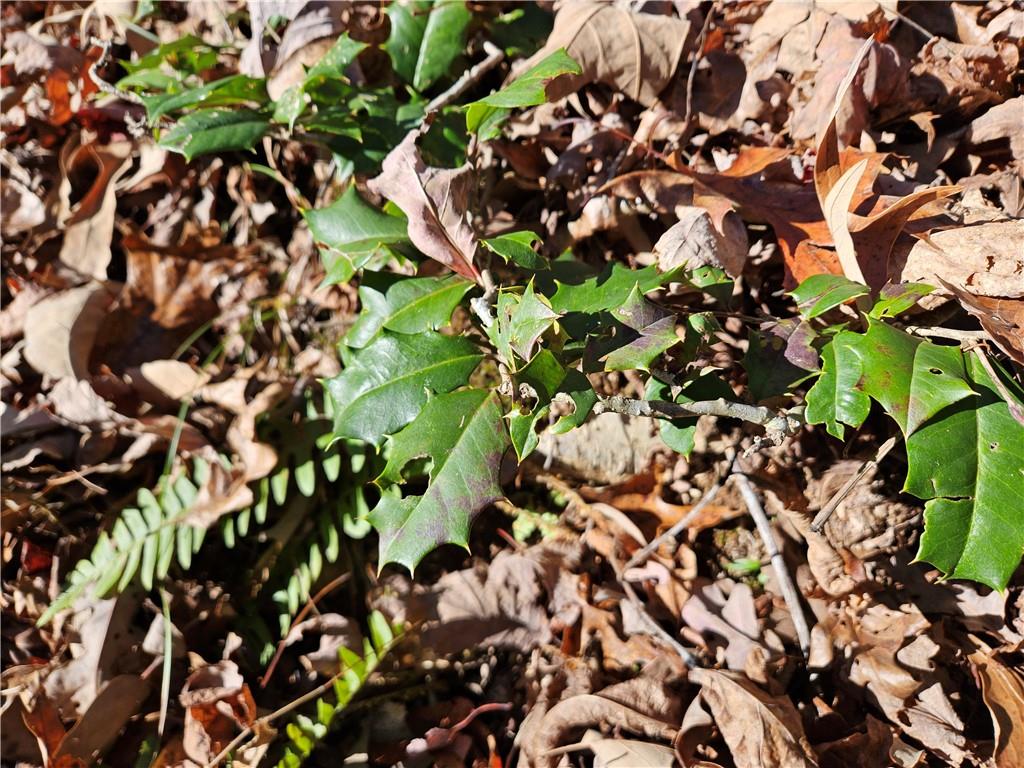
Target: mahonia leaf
[(894, 299), (517, 247), (969, 462), (654, 332), (349, 233), (549, 385), (465, 435), (911, 378), (608, 290), (384, 386), (408, 306), (835, 400), (520, 322), (426, 37), (779, 356), (819, 293), (484, 117)]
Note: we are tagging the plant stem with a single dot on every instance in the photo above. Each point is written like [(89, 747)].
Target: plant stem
[(789, 591), (777, 425), (468, 78)]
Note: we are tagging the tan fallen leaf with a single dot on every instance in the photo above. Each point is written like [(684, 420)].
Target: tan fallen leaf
[(635, 53), (436, 202), (629, 753), (760, 729), (61, 329), (694, 241), (1002, 689), (172, 379), (118, 701), (89, 225)]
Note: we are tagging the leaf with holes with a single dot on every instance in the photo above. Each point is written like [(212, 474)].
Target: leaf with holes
[(385, 385), (969, 462), (464, 434)]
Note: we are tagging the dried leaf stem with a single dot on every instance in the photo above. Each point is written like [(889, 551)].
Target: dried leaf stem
[(789, 591), (826, 512)]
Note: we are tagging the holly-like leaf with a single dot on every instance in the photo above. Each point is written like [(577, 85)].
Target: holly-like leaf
[(409, 306), (780, 356), (896, 299), (549, 384), (819, 293), (215, 130), (236, 89), (426, 37), (911, 378), (519, 323), (608, 290), (350, 232), (385, 385), (484, 117), (464, 433), (835, 400), (653, 330), (969, 462), (517, 247)]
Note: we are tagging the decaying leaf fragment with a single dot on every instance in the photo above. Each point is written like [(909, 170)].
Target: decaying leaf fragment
[(436, 202)]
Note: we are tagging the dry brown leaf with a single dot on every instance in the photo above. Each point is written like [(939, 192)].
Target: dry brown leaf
[(1002, 318), (760, 729), (1001, 122), (60, 330), (1002, 688), (22, 207), (436, 202), (640, 706), (89, 225), (732, 618), (953, 77), (629, 753), (985, 259), (635, 53), (171, 379), (879, 77), (117, 702), (694, 241), (217, 704)]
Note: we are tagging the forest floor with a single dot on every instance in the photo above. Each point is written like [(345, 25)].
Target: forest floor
[(166, 325)]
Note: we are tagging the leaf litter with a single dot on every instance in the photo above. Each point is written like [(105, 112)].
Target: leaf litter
[(164, 324)]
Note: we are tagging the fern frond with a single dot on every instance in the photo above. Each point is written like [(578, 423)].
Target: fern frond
[(304, 733), (145, 541)]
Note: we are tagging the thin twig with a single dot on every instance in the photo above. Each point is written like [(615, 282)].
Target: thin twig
[(947, 333), (789, 591), (640, 556), (692, 76), (777, 425), (469, 78), (102, 84), (826, 512), (310, 604)]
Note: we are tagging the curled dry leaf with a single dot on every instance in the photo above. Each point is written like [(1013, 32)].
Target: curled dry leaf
[(641, 706), (89, 225), (635, 53), (694, 241), (1002, 689), (60, 330), (217, 704), (760, 729), (436, 202)]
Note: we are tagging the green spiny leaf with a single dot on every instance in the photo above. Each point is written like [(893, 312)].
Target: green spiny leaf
[(386, 384), (465, 435), (819, 293), (409, 306)]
